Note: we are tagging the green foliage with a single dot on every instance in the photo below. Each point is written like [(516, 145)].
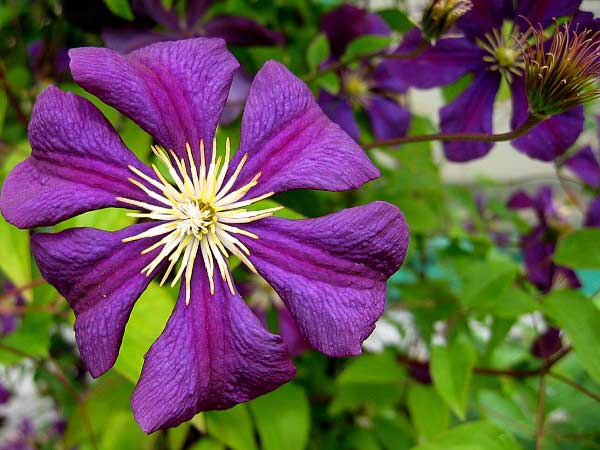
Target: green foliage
[(365, 45), (318, 52), (580, 249), (232, 427), (473, 436), (120, 8)]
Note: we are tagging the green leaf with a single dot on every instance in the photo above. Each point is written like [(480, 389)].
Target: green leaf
[(330, 82), (473, 436), (485, 282), (233, 427), (207, 443), (428, 412), (15, 258), (365, 45), (580, 319), (122, 432), (282, 418), (503, 411), (31, 337), (318, 52), (451, 371), (580, 249), (147, 321), (393, 432), (120, 7), (397, 20), (514, 303)]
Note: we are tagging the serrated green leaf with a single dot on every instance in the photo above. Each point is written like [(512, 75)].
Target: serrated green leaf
[(120, 7), (317, 52), (580, 249), (428, 412), (473, 436), (579, 317), (451, 371), (233, 427), (365, 45), (282, 418)]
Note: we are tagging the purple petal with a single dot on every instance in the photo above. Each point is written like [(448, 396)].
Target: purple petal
[(340, 112), (331, 272), (537, 253), (291, 141), (173, 90), (155, 10), (290, 333), (547, 344), (388, 119), (238, 93), (241, 31), (592, 217), (213, 354), (439, 65), (78, 164), (194, 11), (5, 394), (486, 15), (100, 276), (128, 40), (585, 165), (346, 23), (543, 12), (471, 112), (520, 200), (551, 138)]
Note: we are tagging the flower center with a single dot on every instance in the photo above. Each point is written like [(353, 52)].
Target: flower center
[(503, 52), (198, 213), (356, 87)]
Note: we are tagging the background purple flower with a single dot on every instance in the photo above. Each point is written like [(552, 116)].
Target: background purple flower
[(488, 55), (584, 163), (366, 86)]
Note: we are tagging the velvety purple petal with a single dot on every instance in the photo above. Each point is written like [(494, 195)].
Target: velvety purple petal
[(547, 344), (584, 164), (346, 23), (520, 200), (194, 10), (472, 111), (100, 276), (439, 65), (238, 93), (78, 163), (537, 253), (340, 112), (241, 31), (486, 15), (174, 90), (388, 119), (127, 40), (155, 10), (292, 142), (213, 354), (592, 217), (543, 12), (290, 333), (331, 272), (551, 138)]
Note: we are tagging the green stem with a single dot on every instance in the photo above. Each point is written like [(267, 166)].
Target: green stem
[(531, 122)]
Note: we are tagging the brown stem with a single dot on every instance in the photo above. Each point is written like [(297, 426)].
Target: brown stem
[(18, 290), (12, 99), (539, 415), (531, 122), (575, 385)]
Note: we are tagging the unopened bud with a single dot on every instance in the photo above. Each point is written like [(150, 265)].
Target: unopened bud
[(440, 15)]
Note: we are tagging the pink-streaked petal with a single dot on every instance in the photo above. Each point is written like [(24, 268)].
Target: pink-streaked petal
[(331, 272), (292, 142), (100, 276), (471, 112), (78, 164), (340, 112), (213, 354), (175, 91)]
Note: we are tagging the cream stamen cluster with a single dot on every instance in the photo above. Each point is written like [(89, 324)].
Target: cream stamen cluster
[(198, 213), (504, 52)]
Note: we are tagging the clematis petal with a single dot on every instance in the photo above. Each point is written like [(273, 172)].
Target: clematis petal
[(551, 138), (175, 91), (238, 93), (439, 65), (331, 272), (592, 216), (486, 15), (100, 277), (340, 112), (347, 22), (543, 13), (388, 119), (520, 200), (127, 40), (585, 165), (471, 111), (195, 9), (78, 164), (155, 10), (241, 31), (292, 143), (213, 354), (290, 333)]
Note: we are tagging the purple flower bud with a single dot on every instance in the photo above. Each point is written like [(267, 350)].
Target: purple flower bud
[(419, 371), (547, 344), (440, 15)]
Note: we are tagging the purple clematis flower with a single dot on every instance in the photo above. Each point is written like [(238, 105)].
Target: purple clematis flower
[(547, 344), (488, 50), (45, 61), (539, 244), (584, 163), (366, 86), (9, 321), (330, 272), (235, 30)]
